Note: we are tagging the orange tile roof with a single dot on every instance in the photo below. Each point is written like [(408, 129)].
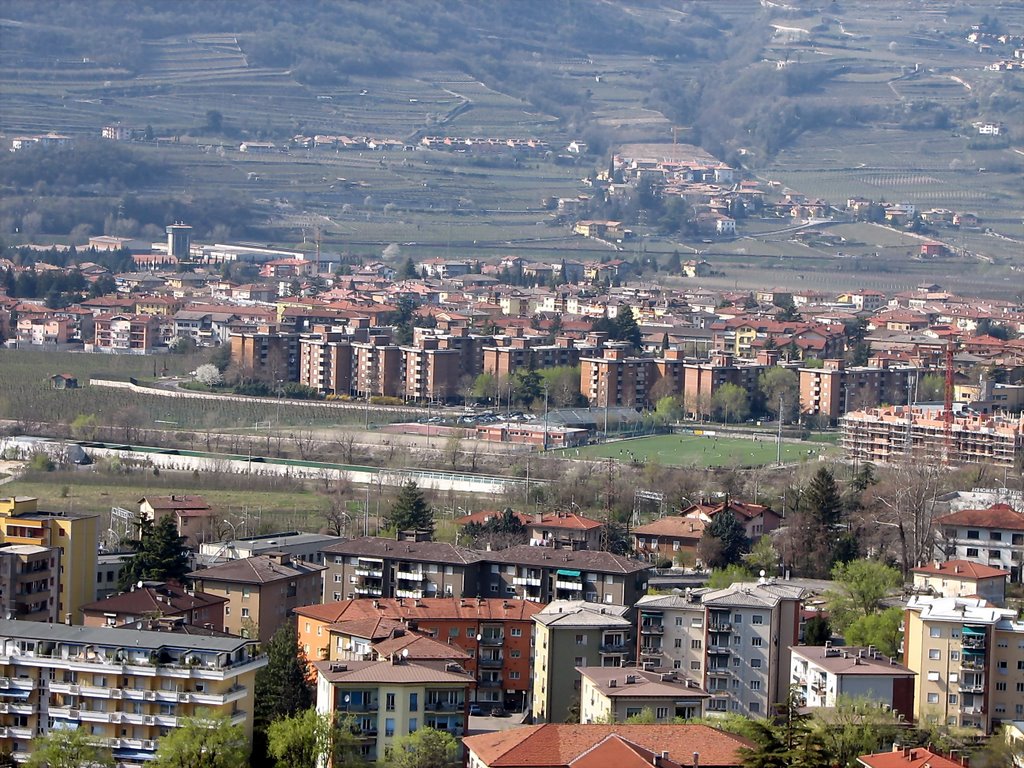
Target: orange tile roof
[(914, 757), (674, 526), (964, 569), (556, 745), (428, 608), (996, 516), (615, 750)]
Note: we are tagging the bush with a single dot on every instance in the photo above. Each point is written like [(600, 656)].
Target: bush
[(41, 462)]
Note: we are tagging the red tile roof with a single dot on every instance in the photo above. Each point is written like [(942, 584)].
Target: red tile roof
[(997, 516), (913, 757), (558, 745), (426, 609), (615, 750), (673, 526), (965, 569)]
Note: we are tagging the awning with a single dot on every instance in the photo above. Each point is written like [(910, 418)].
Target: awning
[(567, 572), (18, 693), (974, 631)]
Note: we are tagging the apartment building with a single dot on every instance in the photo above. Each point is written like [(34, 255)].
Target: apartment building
[(749, 628), (757, 519), (392, 698), (992, 537), (614, 694), (74, 536), (382, 568), (561, 530), (617, 379), (430, 373), (35, 330), (155, 600), (674, 538), (569, 635), (325, 362), (511, 354), (894, 433), (266, 353), (823, 674), (969, 660), (495, 635), (563, 745), (543, 574), (701, 380), (671, 632), (29, 588), (193, 517), (261, 591), (127, 687), (834, 389), (962, 578), (126, 333)]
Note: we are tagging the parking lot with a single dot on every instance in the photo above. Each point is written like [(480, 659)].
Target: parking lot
[(487, 724)]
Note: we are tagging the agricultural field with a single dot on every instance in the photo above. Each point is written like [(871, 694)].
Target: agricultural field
[(703, 451)]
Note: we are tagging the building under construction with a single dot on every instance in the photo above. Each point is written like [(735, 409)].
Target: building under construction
[(893, 433)]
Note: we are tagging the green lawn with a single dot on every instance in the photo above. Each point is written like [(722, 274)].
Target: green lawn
[(701, 451)]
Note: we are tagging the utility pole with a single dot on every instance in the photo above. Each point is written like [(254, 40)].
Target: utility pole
[(778, 439), (545, 417)]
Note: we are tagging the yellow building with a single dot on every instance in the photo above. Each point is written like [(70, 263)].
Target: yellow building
[(969, 660), (74, 535), (128, 687), (394, 697)]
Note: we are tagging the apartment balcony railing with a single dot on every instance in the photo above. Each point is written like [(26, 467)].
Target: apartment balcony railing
[(492, 640), (652, 629), (486, 663)]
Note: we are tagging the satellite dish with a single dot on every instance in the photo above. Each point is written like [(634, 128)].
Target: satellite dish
[(405, 653)]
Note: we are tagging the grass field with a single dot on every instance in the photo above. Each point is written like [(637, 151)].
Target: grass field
[(701, 451)]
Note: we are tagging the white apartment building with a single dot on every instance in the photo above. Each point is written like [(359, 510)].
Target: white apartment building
[(126, 687), (671, 632), (823, 674), (992, 537), (749, 628)]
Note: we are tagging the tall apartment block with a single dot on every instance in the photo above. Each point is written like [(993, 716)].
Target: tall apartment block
[(737, 637), (834, 389), (29, 584), (126, 687), (74, 536), (571, 634), (969, 660)]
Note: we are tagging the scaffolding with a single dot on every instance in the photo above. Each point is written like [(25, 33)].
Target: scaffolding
[(882, 435)]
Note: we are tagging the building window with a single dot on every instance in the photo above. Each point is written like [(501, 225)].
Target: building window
[(579, 661), (952, 698), (933, 698), (755, 663), (756, 642), (934, 654), (1000, 686), (935, 632), (995, 535), (389, 702), (755, 685), (972, 552), (389, 726), (515, 654), (413, 724), (513, 675), (757, 619), (973, 534), (994, 554), (633, 711), (694, 644), (662, 713), (933, 676), (245, 613), (516, 632), (581, 639), (695, 665), (755, 707)]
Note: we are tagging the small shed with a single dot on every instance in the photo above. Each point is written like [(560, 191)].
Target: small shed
[(63, 381)]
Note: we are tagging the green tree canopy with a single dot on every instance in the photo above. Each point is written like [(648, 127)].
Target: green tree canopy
[(731, 574), (731, 403), (500, 532), (309, 737), (780, 383), (626, 328), (862, 586), (881, 630), (424, 748), (203, 742), (160, 554), (822, 498), (410, 512), (68, 748), (282, 688), (817, 630)]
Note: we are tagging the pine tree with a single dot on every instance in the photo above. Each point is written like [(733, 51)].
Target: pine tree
[(626, 327), (160, 554), (410, 512), (724, 541), (822, 498), (282, 688)]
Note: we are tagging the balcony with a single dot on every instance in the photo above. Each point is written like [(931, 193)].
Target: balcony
[(485, 663), (372, 706), (444, 706), (720, 627), (972, 711), (614, 648), (974, 686), (492, 639), (409, 575), (973, 642), (719, 649), (526, 581), (650, 651), (368, 591), (975, 665), (370, 573), (652, 629), (571, 586), (412, 594), (490, 683)]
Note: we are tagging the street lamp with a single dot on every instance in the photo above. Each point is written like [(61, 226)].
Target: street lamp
[(234, 535)]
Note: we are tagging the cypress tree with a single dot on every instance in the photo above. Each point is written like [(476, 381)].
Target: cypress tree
[(410, 512)]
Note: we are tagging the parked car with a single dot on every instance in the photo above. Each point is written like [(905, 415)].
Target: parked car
[(499, 712), (476, 710)]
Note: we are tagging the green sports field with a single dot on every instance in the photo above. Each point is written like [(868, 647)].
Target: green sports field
[(702, 451)]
